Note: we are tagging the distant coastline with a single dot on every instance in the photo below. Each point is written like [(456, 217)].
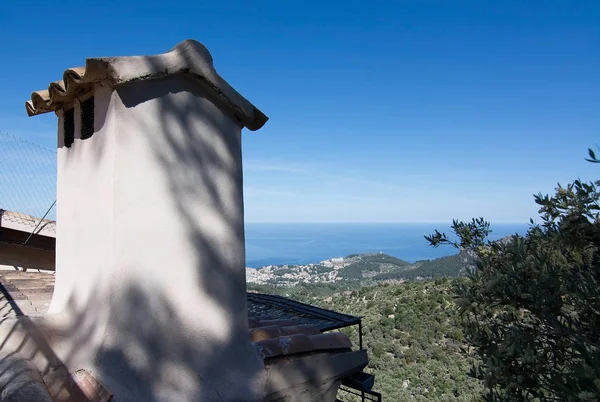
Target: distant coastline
[(311, 243), (361, 269)]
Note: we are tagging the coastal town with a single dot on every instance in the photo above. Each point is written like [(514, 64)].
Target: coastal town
[(326, 271), (357, 268)]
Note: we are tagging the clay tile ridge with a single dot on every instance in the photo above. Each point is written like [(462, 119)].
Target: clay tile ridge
[(188, 57)]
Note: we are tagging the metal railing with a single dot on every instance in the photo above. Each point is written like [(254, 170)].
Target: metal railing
[(347, 394)]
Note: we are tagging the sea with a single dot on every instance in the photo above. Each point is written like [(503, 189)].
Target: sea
[(304, 243)]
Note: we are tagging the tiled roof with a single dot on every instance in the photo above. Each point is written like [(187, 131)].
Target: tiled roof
[(273, 336), (281, 327), (188, 57), (27, 293), (282, 308), (282, 338), (284, 344), (21, 221)]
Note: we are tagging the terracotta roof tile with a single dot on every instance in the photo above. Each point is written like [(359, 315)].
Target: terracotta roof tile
[(263, 333), (332, 340), (91, 387), (188, 57), (274, 331), (300, 329), (284, 345), (278, 341)]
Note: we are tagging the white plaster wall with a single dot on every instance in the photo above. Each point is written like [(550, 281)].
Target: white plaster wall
[(150, 248), (81, 303), (84, 208)]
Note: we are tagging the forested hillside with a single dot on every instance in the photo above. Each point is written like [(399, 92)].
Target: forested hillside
[(416, 347)]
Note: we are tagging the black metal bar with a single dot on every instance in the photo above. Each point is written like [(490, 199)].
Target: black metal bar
[(5, 294), (360, 334)]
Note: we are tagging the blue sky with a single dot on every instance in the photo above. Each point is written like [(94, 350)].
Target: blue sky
[(404, 111)]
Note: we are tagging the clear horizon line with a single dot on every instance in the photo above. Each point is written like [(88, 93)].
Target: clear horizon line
[(380, 222)]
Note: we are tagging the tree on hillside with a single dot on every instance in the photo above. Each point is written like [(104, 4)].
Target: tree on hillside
[(531, 307)]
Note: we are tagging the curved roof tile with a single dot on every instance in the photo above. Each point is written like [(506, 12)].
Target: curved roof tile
[(188, 57)]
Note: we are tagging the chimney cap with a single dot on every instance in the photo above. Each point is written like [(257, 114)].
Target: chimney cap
[(186, 58)]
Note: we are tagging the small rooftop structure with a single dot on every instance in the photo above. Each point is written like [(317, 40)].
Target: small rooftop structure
[(150, 292)]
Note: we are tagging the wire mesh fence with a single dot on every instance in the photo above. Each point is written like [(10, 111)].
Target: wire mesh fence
[(27, 183)]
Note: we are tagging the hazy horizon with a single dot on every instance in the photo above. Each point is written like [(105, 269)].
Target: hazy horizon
[(279, 243)]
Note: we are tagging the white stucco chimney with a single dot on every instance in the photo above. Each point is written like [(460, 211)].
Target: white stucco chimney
[(150, 259)]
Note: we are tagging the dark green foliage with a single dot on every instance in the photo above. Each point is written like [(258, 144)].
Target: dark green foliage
[(384, 259), (355, 270), (471, 234), (371, 264), (253, 287), (451, 266), (592, 157), (303, 290), (532, 306)]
